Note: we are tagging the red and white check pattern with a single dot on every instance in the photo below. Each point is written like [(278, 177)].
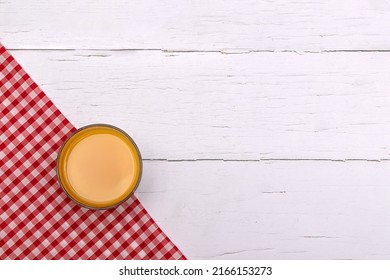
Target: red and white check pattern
[(37, 219)]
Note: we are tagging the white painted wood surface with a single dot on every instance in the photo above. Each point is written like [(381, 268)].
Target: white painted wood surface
[(265, 124), (273, 209), (201, 25), (217, 106)]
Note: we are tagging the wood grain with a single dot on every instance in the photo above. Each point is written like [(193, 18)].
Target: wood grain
[(220, 25), (272, 210), (187, 106)]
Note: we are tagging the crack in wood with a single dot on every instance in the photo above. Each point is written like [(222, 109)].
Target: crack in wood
[(235, 252)]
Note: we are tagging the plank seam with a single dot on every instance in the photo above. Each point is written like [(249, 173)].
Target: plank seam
[(226, 51), (269, 159)]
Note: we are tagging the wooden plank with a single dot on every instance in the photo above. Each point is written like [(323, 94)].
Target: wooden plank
[(300, 25), (235, 107), (272, 210)]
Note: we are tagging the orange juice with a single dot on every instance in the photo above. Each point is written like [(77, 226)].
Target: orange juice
[(99, 166)]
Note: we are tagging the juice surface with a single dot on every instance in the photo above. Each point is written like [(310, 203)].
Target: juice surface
[(99, 167)]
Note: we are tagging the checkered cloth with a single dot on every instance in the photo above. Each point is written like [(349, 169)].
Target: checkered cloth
[(37, 219)]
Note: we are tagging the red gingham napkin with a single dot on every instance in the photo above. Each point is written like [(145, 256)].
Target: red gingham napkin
[(37, 219)]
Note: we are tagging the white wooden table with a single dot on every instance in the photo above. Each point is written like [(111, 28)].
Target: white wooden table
[(264, 125)]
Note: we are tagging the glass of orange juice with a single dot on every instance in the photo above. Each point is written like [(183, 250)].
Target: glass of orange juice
[(99, 166)]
